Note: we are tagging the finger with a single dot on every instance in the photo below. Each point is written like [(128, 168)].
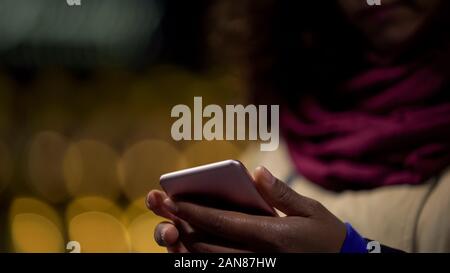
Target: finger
[(196, 241), (167, 235), (178, 248), (202, 247), (154, 202), (233, 226), (281, 196)]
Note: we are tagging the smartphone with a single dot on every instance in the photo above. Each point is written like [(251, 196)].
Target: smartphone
[(224, 185)]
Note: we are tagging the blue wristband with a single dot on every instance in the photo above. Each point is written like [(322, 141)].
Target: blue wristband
[(353, 243)]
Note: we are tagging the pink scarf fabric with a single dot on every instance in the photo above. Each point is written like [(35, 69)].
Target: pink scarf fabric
[(397, 132)]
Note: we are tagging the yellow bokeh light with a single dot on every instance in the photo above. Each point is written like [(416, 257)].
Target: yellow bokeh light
[(99, 232), (143, 164), (45, 159), (92, 203), (135, 209), (141, 234), (205, 152), (33, 233), (141, 225), (30, 205), (90, 168)]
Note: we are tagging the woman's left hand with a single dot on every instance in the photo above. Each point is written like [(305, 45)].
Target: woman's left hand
[(307, 227)]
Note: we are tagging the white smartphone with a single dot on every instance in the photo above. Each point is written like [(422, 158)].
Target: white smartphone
[(224, 185)]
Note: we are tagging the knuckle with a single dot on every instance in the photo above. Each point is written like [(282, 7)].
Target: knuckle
[(218, 222), (283, 193), (315, 206)]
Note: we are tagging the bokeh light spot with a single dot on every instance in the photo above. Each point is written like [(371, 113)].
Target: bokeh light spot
[(205, 152), (141, 233), (33, 233), (45, 160), (30, 205), (90, 168), (92, 203), (99, 232), (144, 163)]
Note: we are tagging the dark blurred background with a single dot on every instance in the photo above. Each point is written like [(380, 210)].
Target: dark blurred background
[(85, 100)]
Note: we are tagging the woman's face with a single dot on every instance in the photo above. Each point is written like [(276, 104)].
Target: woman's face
[(390, 24)]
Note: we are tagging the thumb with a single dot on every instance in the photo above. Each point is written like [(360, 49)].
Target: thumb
[(279, 195)]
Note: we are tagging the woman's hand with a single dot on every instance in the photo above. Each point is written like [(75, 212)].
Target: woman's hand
[(307, 227)]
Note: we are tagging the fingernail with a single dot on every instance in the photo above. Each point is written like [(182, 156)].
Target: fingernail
[(149, 203), (170, 205), (162, 236), (160, 239), (268, 177)]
